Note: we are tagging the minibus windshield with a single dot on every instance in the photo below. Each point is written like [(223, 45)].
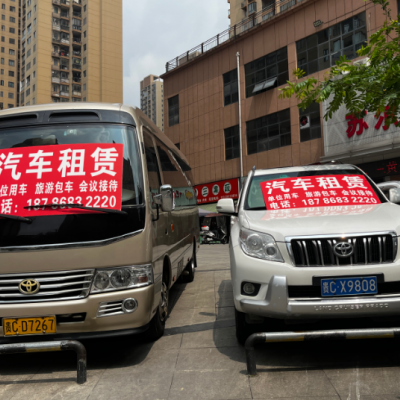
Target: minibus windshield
[(71, 134)]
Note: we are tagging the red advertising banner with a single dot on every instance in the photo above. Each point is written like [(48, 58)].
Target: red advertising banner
[(318, 191), (87, 174), (212, 192)]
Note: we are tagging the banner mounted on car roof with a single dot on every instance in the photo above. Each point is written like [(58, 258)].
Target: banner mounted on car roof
[(318, 191), (86, 174)]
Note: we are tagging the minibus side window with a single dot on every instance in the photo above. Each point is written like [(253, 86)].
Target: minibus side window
[(153, 171)]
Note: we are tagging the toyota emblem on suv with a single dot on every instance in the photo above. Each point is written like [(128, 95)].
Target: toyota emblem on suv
[(343, 249)]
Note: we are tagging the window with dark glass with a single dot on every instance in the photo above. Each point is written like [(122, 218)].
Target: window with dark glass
[(232, 144), (267, 72), (153, 171), (269, 132), (230, 87), (173, 110), (321, 50), (310, 123)]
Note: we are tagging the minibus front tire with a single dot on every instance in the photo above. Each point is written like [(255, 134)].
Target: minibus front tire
[(157, 324)]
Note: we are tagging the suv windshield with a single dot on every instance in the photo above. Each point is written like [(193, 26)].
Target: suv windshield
[(88, 133), (255, 198)]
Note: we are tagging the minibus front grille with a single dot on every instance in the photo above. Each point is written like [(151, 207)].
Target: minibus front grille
[(53, 286)]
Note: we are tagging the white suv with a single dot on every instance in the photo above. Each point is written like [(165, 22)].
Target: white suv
[(311, 243)]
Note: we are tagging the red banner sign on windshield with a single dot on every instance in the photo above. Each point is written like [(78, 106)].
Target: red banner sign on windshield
[(318, 191), (86, 174)]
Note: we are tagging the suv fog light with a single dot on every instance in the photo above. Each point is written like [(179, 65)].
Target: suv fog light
[(129, 305), (249, 288), (271, 251)]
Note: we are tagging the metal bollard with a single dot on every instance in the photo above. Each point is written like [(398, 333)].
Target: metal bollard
[(64, 345), (381, 333)]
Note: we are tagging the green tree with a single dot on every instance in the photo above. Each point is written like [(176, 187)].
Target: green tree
[(372, 86)]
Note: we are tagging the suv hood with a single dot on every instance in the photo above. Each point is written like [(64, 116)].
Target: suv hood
[(331, 220)]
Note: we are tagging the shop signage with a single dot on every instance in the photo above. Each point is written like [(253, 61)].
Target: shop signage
[(212, 192), (379, 169), (348, 135), (86, 174), (318, 191)]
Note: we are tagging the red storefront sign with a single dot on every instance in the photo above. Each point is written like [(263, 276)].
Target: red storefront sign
[(212, 192), (86, 174), (318, 191)]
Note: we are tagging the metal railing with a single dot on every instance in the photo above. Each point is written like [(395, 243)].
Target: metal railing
[(275, 337), (77, 27), (39, 347), (254, 20)]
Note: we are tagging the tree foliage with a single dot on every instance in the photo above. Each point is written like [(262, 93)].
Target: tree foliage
[(360, 87)]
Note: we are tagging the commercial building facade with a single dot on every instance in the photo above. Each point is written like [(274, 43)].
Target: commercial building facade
[(152, 99), (70, 51), (307, 34)]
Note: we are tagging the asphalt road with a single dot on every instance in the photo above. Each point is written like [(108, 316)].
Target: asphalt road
[(199, 358)]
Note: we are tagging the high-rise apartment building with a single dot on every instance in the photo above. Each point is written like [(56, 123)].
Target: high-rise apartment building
[(9, 57), (242, 9), (152, 99), (70, 50)]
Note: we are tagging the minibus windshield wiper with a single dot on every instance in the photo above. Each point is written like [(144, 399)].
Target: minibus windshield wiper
[(81, 207), (16, 218)]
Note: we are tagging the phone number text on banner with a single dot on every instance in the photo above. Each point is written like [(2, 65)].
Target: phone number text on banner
[(318, 191), (86, 174)]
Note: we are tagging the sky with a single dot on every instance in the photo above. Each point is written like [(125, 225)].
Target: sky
[(156, 31)]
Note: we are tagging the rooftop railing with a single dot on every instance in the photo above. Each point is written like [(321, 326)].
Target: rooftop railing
[(276, 8)]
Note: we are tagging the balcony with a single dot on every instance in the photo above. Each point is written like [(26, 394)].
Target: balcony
[(77, 27), (55, 67), (56, 27), (64, 54), (55, 80), (55, 54), (65, 80), (65, 28), (64, 3), (77, 41), (76, 93), (56, 40), (77, 53), (56, 94), (77, 14), (77, 2), (56, 2), (64, 14), (65, 94), (64, 41), (64, 67), (76, 80), (77, 66)]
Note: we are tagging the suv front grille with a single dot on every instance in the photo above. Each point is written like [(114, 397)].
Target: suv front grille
[(54, 286), (368, 249)]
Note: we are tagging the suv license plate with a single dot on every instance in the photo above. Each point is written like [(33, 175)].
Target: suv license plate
[(349, 286)]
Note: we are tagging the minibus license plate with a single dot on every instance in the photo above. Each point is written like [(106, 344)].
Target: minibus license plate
[(349, 286), (29, 326)]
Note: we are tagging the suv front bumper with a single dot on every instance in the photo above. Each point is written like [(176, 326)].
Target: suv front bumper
[(277, 304)]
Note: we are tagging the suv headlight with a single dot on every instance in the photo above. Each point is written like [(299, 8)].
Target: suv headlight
[(259, 245), (111, 279)]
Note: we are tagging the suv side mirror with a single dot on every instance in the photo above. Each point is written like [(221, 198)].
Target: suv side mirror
[(227, 207), (394, 195), (166, 198), (391, 190)]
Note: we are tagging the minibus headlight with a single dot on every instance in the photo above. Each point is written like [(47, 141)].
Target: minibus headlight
[(111, 279)]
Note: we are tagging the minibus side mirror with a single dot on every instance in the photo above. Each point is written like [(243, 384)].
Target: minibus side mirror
[(166, 198), (226, 207)]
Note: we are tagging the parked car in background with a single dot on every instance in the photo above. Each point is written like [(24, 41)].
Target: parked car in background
[(312, 243)]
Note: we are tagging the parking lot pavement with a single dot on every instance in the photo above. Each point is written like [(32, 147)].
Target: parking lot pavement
[(199, 358)]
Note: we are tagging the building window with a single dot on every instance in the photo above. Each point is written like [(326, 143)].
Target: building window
[(267, 72), (2, 49), (28, 66), (2, 72), (84, 99), (10, 105), (12, 30), (11, 63), (34, 34), (321, 50), (232, 144), (2, 60), (33, 101), (34, 74), (1, 94), (28, 92), (33, 88), (12, 52), (310, 123), (84, 60), (3, 6), (11, 84), (29, 40), (269, 132), (34, 61), (11, 41), (34, 21), (34, 8), (84, 21), (3, 17), (10, 95), (3, 28), (84, 8), (84, 74), (34, 47), (84, 47), (252, 8), (230, 87), (12, 19), (173, 110), (1, 83), (84, 34), (12, 9), (10, 73), (84, 86)]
